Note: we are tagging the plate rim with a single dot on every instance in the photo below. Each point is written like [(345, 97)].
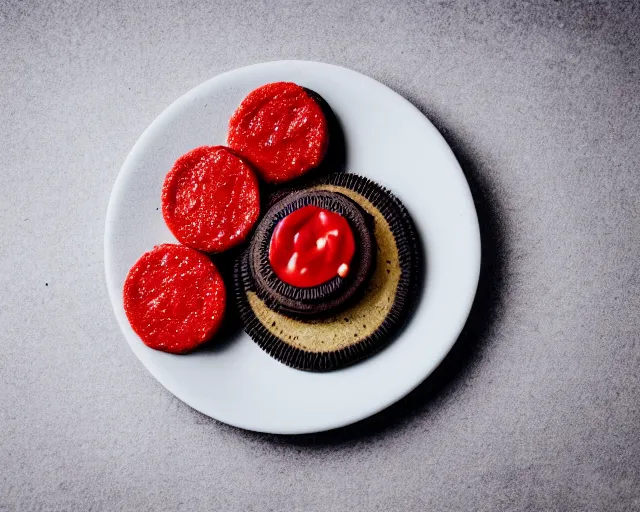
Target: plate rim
[(342, 420)]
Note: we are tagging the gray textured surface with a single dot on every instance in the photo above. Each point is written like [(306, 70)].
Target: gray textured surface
[(538, 408)]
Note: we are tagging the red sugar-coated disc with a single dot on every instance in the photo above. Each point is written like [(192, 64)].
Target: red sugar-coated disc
[(281, 130), (174, 298), (210, 199)]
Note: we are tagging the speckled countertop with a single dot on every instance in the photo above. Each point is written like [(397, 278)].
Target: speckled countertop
[(538, 406)]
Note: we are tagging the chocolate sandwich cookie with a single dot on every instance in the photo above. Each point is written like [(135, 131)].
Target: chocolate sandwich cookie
[(366, 325), (312, 253)]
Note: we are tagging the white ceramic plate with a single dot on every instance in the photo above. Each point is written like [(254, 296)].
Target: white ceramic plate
[(387, 140)]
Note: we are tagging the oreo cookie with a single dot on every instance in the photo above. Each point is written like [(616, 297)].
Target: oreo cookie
[(365, 325), (326, 297)]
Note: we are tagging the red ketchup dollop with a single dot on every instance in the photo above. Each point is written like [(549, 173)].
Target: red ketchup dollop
[(311, 246)]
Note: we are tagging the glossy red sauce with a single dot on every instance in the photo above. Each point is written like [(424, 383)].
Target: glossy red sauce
[(210, 199), (311, 246), (281, 130), (174, 298)]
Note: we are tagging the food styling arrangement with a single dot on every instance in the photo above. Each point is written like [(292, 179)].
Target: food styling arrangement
[(326, 265)]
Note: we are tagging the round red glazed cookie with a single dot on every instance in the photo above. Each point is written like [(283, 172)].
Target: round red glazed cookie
[(174, 298), (210, 199), (281, 130)]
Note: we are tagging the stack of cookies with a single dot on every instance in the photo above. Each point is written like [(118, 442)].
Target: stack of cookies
[(324, 277)]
